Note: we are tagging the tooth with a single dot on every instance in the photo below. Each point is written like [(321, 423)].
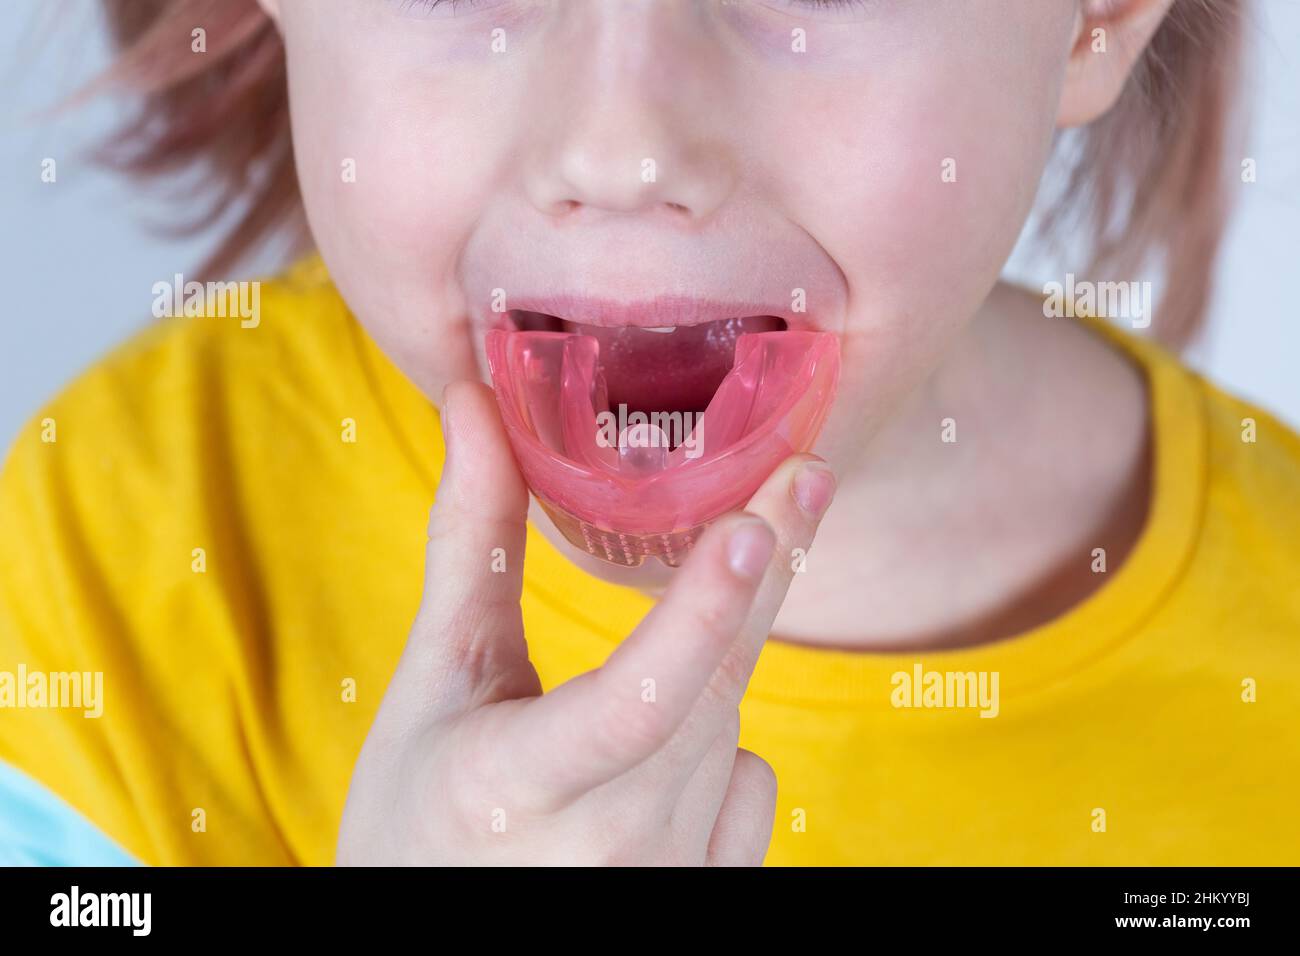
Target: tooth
[(642, 449), (662, 328)]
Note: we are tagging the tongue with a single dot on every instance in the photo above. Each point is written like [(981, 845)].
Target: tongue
[(624, 487), (648, 370)]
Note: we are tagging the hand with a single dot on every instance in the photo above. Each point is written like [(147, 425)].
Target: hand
[(468, 762)]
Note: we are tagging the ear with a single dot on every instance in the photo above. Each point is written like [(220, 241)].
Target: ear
[(1109, 38)]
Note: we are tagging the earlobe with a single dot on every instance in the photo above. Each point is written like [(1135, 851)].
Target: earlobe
[(271, 8), (1111, 37)]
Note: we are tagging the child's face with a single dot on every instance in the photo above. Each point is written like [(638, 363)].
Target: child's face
[(884, 164)]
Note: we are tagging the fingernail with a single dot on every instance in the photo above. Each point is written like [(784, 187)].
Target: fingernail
[(749, 550), (814, 487)]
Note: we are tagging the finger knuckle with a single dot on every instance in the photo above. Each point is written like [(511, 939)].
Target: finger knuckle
[(630, 723), (716, 624), (731, 677), (443, 523)]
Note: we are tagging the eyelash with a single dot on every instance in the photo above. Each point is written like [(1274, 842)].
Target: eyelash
[(430, 4), (424, 4)]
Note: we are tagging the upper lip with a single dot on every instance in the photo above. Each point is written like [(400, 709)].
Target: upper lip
[(659, 312)]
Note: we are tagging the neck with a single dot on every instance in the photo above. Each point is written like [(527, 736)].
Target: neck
[(932, 544), (935, 544)]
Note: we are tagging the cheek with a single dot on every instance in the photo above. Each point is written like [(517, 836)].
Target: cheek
[(922, 188), (916, 176), (393, 177)]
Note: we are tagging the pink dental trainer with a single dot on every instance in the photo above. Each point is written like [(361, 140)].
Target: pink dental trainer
[(623, 481)]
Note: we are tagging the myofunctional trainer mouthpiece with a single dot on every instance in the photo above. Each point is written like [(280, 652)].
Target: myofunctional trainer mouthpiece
[(623, 485)]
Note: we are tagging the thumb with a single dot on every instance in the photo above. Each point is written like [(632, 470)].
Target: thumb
[(467, 640)]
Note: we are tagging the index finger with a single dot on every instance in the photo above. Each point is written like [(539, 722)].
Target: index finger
[(707, 631), (606, 721)]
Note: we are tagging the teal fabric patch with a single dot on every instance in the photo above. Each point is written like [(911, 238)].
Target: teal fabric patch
[(38, 829)]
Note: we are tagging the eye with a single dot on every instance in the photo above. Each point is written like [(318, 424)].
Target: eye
[(824, 9), (440, 8)]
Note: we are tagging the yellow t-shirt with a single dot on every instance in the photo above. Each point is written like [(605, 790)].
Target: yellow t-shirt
[(202, 532)]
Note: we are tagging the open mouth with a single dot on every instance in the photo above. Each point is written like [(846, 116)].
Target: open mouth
[(634, 437), (666, 369)]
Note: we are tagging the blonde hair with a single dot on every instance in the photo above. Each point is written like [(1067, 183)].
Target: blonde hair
[(1147, 183)]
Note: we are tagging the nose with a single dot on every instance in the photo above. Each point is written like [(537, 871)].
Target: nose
[(627, 123)]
